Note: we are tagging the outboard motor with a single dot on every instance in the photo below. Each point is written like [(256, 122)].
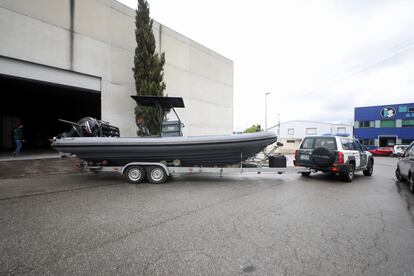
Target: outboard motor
[(90, 127)]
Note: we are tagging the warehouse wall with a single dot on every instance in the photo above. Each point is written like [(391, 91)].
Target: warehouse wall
[(102, 45)]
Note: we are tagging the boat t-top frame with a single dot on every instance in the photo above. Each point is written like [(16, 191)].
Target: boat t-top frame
[(163, 105)]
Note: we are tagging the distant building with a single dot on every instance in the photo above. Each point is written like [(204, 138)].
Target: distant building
[(385, 125), (291, 133)]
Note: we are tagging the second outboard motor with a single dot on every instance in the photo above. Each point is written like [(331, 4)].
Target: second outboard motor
[(90, 127)]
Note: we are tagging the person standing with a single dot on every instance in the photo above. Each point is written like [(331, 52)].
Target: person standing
[(18, 139)]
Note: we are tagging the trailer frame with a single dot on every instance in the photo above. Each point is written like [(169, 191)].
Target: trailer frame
[(159, 172)]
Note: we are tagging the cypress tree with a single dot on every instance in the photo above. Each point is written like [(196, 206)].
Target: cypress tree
[(148, 71), (253, 128)]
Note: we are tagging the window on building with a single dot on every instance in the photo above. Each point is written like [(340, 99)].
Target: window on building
[(367, 142), (366, 124), (388, 123), (411, 109), (291, 131), (406, 141), (341, 130), (407, 123), (402, 109), (310, 131)]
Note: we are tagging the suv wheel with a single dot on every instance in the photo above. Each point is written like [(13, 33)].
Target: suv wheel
[(370, 169), (305, 174), (411, 183), (349, 175)]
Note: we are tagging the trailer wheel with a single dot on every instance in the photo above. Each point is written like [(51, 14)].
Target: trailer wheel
[(156, 174), (135, 174)]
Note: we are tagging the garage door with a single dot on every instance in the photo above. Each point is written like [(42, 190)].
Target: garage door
[(37, 96)]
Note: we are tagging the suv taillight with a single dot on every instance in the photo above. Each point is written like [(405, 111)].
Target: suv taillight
[(340, 157), (297, 155)]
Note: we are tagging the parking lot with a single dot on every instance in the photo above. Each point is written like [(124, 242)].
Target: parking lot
[(87, 224)]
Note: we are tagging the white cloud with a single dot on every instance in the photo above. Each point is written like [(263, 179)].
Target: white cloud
[(313, 56)]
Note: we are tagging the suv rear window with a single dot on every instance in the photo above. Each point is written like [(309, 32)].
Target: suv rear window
[(317, 142)]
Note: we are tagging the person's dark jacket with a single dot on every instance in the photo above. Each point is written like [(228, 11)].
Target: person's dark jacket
[(18, 134)]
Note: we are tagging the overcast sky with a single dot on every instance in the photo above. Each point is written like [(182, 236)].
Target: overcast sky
[(318, 59)]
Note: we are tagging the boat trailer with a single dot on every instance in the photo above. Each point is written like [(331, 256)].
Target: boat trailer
[(157, 173)]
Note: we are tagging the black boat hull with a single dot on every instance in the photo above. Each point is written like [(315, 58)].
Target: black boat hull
[(190, 151)]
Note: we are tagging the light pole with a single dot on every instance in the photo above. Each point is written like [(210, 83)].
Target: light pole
[(278, 124), (267, 93)]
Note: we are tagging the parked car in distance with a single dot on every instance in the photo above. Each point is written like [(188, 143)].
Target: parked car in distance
[(405, 167), (382, 151), (399, 150), (340, 155)]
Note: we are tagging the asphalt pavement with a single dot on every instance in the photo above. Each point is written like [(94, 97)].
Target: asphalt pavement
[(84, 224)]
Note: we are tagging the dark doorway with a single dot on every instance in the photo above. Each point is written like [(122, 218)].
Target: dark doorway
[(387, 141), (38, 106)]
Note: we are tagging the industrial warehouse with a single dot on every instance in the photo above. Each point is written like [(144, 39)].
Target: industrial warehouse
[(385, 125), (77, 61)]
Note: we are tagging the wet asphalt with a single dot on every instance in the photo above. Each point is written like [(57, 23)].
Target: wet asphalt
[(251, 224)]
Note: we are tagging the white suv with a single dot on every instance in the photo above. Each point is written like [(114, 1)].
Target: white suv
[(340, 155)]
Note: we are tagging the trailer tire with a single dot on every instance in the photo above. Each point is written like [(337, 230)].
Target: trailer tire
[(135, 174), (156, 174)]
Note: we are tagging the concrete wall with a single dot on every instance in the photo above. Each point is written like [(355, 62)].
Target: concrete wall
[(289, 145), (103, 45)]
